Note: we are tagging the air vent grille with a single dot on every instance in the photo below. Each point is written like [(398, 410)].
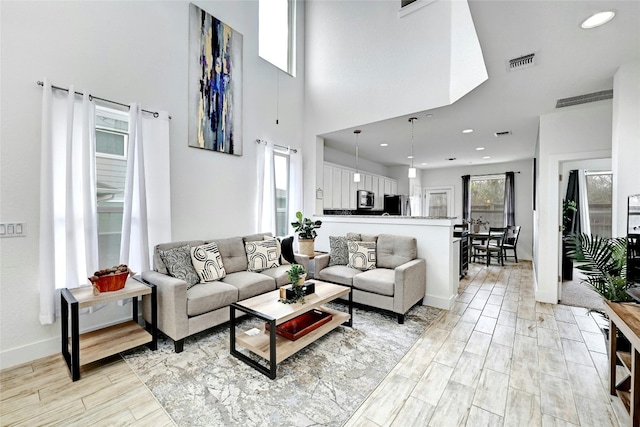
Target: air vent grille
[(503, 133), (521, 62), (584, 99)]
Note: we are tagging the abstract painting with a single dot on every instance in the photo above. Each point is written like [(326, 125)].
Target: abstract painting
[(215, 84)]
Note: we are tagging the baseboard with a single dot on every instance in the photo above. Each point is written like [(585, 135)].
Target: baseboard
[(37, 350), (439, 302)]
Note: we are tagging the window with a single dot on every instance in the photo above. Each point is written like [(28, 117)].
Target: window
[(439, 202), (487, 199), (276, 33), (111, 167), (281, 161), (599, 196)]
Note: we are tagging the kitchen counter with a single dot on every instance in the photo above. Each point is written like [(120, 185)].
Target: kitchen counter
[(435, 244)]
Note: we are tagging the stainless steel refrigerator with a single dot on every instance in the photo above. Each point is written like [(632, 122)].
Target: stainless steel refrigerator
[(397, 204)]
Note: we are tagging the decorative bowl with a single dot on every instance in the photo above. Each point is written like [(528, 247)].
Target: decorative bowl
[(111, 282)]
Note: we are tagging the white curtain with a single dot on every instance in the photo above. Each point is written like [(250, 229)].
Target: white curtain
[(266, 185), (68, 219), (295, 184), (583, 207), (147, 201)]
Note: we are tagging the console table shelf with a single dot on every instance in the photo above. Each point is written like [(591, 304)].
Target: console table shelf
[(625, 318)]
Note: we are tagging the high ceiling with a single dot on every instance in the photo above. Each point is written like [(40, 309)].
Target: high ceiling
[(569, 61)]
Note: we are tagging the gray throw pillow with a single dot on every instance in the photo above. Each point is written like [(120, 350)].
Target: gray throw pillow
[(338, 252), (178, 262)]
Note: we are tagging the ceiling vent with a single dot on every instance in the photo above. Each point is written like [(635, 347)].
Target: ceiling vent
[(584, 99), (521, 62), (503, 133)]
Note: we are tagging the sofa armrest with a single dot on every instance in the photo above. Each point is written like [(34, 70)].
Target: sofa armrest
[(321, 262), (410, 284), (172, 304), (303, 260)]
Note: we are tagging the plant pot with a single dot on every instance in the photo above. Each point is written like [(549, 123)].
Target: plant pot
[(476, 228), (306, 246)]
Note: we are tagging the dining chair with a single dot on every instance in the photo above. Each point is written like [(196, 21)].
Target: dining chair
[(492, 247), (510, 241)]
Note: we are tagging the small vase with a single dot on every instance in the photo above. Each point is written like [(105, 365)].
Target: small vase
[(476, 228)]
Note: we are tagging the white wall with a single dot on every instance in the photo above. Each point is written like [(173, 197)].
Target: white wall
[(572, 133), (452, 177), (626, 142), (349, 160), (125, 51)]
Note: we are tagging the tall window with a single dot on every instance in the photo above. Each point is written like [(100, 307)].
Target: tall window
[(277, 33), (599, 196), (111, 165), (281, 161), (487, 199)]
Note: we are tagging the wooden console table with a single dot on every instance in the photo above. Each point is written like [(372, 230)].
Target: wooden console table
[(82, 349), (626, 319)]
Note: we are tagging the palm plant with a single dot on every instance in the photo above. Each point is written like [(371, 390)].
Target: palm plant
[(603, 262)]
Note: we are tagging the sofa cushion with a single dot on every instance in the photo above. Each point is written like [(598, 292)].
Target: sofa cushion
[(394, 250), (279, 274), (340, 274), (178, 263), (359, 237), (250, 284), (158, 264), (338, 252), (256, 237), (207, 262), (362, 255), (205, 297), (379, 281), (234, 257), (262, 254)]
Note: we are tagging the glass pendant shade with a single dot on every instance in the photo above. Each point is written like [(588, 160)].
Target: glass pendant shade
[(413, 173), (356, 177)]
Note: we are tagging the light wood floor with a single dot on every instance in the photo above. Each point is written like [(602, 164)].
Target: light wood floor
[(498, 358)]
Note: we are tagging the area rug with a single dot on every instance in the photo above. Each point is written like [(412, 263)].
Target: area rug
[(578, 294), (322, 385)]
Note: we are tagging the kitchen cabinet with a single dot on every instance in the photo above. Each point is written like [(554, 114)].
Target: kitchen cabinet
[(339, 189)]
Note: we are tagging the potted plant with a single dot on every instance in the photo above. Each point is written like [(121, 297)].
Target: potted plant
[(297, 275), (476, 223), (306, 229)]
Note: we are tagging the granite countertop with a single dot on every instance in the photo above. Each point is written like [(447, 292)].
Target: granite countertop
[(389, 216)]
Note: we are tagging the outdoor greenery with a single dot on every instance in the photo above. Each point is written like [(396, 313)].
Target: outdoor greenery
[(604, 263), (487, 198), (306, 228)]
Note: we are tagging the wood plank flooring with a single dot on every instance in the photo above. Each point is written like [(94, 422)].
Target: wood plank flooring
[(497, 358), (108, 393)]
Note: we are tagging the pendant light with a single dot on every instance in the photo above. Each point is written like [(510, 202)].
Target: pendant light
[(413, 173), (356, 176)]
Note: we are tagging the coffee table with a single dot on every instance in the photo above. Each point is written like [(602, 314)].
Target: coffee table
[(272, 347)]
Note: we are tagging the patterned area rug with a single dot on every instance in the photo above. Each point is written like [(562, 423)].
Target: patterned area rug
[(322, 385)]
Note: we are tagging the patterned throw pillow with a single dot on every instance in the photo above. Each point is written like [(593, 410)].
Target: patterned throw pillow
[(362, 255), (207, 262), (262, 254), (178, 262), (338, 253)]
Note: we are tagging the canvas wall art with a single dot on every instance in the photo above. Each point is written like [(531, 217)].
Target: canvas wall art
[(215, 84)]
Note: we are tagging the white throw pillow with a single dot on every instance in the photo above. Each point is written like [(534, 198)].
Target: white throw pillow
[(362, 255), (207, 261), (262, 254)]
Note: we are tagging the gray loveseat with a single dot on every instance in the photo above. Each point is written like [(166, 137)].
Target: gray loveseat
[(398, 281), (184, 311)]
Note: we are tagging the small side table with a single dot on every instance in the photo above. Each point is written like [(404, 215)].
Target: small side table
[(82, 349), (312, 264)]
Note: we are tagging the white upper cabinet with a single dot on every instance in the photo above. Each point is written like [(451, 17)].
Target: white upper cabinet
[(339, 189)]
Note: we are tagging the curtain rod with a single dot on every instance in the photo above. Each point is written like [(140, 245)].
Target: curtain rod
[(260, 141), (489, 174), (92, 97)]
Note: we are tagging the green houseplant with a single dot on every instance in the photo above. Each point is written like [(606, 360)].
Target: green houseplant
[(297, 275), (604, 263), (306, 229)]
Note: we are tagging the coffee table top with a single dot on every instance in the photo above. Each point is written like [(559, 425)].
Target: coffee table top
[(268, 304)]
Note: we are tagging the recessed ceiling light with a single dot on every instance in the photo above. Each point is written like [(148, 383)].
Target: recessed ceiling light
[(428, 116), (479, 148), (598, 19), (467, 131), (486, 157), (409, 157), (384, 145), (424, 163)]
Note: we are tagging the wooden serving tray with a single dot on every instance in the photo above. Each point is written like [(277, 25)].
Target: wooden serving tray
[(302, 325)]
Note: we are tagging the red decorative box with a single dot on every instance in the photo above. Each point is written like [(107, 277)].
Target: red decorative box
[(302, 325), (111, 282)]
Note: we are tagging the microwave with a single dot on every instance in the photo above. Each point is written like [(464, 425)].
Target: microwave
[(365, 199)]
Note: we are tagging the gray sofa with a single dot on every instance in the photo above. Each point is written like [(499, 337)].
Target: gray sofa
[(398, 281), (183, 312)]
